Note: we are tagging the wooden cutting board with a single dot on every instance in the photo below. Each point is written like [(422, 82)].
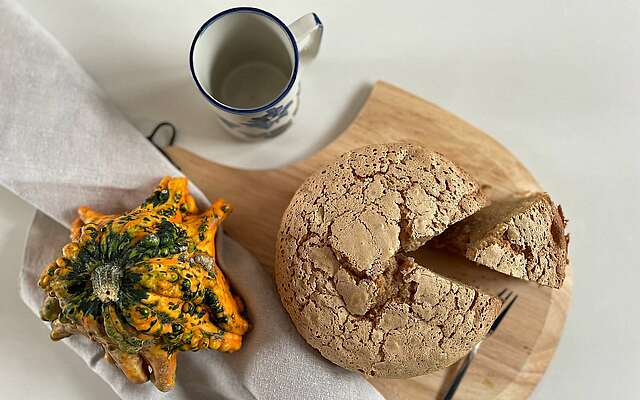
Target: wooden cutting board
[(513, 360)]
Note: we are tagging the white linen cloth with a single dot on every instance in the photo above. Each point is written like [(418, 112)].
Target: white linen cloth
[(63, 145)]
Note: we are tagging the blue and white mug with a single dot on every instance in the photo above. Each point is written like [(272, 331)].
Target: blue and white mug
[(247, 63)]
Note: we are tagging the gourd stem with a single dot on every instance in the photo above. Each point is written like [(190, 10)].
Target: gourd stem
[(105, 280)]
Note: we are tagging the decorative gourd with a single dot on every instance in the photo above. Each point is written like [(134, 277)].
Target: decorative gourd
[(145, 285)]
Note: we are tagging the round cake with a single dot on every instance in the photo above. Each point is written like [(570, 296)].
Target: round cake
[(342, 273)]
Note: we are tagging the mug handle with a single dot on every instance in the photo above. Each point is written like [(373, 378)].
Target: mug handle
[(307, 30)]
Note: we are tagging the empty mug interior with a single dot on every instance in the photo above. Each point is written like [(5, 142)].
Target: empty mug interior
[(244, 59)]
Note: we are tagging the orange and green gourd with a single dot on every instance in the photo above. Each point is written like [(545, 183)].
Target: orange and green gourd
[(145, 285)]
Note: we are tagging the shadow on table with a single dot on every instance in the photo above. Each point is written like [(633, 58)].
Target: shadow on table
[(168, 94)]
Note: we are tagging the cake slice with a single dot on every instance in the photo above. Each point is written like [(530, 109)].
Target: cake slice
[(523, 237)]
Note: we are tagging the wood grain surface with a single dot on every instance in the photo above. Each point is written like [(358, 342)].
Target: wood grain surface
[(514, 359)]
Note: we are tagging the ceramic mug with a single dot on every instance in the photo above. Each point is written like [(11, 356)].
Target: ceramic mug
[(246, 62)]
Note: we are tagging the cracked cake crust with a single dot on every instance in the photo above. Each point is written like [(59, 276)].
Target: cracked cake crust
[(522, 236), (342, 276)]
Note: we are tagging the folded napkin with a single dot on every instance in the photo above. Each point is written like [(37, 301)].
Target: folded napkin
[(63, 145)]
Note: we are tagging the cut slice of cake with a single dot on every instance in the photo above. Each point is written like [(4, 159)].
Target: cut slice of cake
[(522, 236)]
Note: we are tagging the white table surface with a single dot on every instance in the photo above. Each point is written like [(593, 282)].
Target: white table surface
[(557, 82)]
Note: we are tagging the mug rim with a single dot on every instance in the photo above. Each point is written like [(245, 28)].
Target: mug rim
[(263, 13)]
